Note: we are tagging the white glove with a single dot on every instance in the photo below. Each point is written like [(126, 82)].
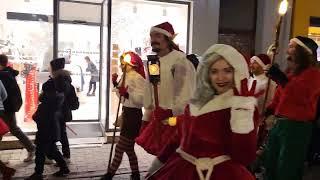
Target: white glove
[(271, 50), (156, 165), (242, 112)]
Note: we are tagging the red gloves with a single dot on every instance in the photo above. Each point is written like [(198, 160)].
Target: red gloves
[(123, 91), (114, 79), (244, 91)]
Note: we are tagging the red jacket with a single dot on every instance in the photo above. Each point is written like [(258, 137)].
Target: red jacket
[(298, 99)]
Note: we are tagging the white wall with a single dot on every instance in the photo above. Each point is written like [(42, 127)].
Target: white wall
[(34, 6), (205, 25)]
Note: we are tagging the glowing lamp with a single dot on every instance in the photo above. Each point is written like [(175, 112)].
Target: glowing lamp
[(153, 65), (283, 7), (127, 58), (154, 69)]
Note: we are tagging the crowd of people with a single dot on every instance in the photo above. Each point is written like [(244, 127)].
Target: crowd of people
[(219, 118)]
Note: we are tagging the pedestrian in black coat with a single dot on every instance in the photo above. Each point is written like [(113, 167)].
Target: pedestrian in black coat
[(62, 81), (48, 117)]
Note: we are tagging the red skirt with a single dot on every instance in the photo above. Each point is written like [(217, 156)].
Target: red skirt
[(156, 135), (178, 168)]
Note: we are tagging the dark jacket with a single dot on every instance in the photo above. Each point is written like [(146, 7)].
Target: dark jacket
[(14, 100), (94, 72), (63, 84), (49, 113)]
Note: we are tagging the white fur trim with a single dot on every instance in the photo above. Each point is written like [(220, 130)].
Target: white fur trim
[(219, 102), (296, 40), (162, 31), (259, 61), (242, 112)]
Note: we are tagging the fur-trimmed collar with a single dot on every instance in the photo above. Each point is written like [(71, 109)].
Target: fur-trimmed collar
[(219, 102)]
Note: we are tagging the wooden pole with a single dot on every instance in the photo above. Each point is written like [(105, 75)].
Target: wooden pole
[(117, 116), (275, 52)]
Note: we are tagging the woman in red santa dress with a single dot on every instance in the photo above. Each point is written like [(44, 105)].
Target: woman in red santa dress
[(217, 137)]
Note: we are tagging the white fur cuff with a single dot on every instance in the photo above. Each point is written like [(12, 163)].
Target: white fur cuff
[(242, 112)]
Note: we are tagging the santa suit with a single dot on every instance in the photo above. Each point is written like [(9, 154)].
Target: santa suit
[(218, 136), (207, 134), (177, 82)]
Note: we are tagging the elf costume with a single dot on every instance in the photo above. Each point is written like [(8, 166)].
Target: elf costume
[(131, 92), (294, 105)]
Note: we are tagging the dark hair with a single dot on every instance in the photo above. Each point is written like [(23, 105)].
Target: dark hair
[(171, 44), (303, 59), (87, 58), (3, 60)]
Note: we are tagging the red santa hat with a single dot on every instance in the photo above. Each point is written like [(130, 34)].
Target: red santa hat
[(262, 59), (164, 28), (134, 60)]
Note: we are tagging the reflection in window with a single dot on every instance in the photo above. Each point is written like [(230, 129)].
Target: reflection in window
[(26, 33)]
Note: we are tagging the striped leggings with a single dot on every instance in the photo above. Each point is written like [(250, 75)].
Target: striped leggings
[(124, 145)]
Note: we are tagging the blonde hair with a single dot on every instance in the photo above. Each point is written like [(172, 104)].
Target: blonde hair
[(204, 91)]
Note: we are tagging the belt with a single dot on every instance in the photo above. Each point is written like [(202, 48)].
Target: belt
[(203, 164)]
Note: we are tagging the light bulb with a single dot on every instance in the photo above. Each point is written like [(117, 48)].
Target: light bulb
[(154, 69), (283, 7), (127, 58)]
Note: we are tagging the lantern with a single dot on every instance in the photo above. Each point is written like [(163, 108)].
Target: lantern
[(153, 65)]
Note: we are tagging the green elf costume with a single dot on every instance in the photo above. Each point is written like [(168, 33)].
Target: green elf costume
[(294, 105)]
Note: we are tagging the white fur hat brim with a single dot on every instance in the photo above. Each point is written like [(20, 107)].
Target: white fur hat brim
[(233, 57)]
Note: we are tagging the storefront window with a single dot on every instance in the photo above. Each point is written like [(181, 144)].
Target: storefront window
[(130, 29), (26, 37), (314, 33)]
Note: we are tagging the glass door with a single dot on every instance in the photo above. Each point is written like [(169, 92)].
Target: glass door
[(82, 34), (80, 45)]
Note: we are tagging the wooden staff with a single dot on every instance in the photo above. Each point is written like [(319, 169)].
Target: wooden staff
[(282, 11), (117, 116)]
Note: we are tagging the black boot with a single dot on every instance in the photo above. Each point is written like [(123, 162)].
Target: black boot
[(35, 176), (107, 176), (135, 176), (62, 172)]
